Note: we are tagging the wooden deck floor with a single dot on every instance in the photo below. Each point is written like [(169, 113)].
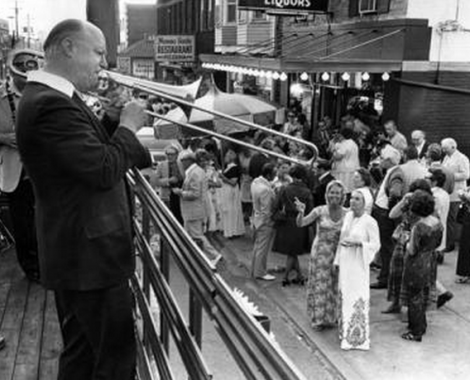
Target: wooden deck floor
[(29, 324)]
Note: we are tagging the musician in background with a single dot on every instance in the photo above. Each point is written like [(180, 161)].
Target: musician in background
[(14, 182), (78, 169)]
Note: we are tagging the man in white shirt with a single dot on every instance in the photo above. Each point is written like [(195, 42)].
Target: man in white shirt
[(459, 165), (263, 225)]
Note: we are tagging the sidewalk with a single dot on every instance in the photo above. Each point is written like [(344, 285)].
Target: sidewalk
[(443, 354)]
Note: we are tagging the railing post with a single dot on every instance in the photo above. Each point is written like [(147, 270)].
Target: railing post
[(165, 269), (195, 311), (145, 276)]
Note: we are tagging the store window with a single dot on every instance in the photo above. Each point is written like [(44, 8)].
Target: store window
[(231, 11), (365, 7)]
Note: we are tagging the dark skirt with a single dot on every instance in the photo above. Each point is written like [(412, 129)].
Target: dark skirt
[(290, 239), (463, 260)]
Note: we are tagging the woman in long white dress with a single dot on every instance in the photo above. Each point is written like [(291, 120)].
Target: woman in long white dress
[(231, 207), (358, 243)]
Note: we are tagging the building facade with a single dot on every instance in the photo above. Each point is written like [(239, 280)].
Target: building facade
[(408, 58), (185, 29)]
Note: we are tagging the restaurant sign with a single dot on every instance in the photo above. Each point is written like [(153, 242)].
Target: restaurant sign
[(174, 49), (284, 5)]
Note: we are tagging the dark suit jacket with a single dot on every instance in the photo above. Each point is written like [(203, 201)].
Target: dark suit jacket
[(422, 154), (78, 172)]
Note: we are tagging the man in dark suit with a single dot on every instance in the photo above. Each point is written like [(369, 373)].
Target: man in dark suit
[(324, 177), (77, 166), (418, 139)]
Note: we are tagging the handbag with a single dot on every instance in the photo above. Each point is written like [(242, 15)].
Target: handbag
[(462, 213)]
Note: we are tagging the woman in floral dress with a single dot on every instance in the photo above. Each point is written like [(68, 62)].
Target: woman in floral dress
[(322, 283)]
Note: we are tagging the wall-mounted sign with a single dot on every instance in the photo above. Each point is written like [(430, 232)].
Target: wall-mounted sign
[(124, 65), (4, 25), (174, 49), (285, 5), (143, 68)]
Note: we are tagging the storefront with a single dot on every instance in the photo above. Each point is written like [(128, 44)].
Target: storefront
[(330, 68)]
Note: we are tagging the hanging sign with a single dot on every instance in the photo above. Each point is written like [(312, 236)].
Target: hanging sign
[(285, 5), (174, 48)]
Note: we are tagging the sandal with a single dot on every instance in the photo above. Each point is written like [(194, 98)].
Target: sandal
[(318, 326), (411, 337), (463, 280)]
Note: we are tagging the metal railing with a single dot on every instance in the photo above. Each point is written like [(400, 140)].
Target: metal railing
[(250, 346)]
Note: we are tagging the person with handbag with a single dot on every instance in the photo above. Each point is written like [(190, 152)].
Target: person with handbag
[(290, 239)]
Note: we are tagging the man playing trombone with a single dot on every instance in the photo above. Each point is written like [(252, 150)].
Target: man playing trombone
[(77, 166)]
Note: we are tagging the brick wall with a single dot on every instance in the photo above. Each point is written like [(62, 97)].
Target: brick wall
[(439, 113)]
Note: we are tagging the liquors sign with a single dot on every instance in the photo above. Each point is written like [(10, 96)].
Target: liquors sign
[(285, 5), (174, 49)]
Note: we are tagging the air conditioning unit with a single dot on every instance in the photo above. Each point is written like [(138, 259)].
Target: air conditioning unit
[(367, 6)]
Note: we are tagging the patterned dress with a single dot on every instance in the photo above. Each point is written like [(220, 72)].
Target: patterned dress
[(322, 284), (354, 276), (401, 235), (420, 269)]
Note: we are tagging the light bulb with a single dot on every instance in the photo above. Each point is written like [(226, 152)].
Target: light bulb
[(365, 76), (345, 77), (385, 76), (304, 76), (325, 76), (283, 77), (276, 75)]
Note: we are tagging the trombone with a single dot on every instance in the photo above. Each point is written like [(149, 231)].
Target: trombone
[(183, 95)]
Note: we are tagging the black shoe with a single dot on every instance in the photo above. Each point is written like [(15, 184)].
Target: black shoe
[(440, 257), (286, 282), (443, 298), (410, 336), (299, 281), (2, 342), (378, 285)]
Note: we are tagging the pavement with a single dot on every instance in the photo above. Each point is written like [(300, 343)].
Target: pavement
[(443, 354)]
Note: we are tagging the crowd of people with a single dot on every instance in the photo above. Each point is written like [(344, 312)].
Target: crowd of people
[(369, 200), (388, 205)]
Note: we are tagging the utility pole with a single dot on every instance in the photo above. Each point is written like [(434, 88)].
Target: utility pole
[(16, 21)]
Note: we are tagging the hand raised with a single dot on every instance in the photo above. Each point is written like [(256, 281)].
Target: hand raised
[(133, 116)]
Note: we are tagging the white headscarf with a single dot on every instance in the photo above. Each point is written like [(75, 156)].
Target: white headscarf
[(368, 198)]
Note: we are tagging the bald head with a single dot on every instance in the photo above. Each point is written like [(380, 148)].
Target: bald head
[(76, 50)]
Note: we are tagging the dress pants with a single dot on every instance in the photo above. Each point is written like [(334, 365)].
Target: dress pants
[(98, 334), (386, 228), (195, 229), (21, 206), (263, 242)]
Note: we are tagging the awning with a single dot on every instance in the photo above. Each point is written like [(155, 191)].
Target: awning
[(299, 65), (309, 53)]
